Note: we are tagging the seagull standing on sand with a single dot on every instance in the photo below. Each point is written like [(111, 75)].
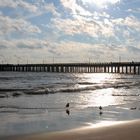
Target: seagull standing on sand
[(100, 108), (68, 104)]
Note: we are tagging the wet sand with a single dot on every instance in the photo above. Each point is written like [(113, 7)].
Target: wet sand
[(121, 131)]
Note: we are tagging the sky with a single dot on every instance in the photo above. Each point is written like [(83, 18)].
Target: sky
[(61, 31)]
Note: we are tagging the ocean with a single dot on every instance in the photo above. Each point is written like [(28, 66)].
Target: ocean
[(33, 102)]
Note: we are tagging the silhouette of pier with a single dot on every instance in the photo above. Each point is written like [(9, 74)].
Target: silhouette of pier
[(111, 67)]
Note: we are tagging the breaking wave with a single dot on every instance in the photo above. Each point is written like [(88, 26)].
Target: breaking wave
[(68, 88)]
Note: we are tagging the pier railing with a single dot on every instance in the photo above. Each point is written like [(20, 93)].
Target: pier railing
[(111, 67)]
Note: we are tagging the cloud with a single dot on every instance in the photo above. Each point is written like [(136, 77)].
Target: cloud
[(133, 49), (25, 43), (33, 50), (136, 10), (6, 43), (79, 9), (83, 25), (43, 8), (18, 3), (32, 44), (69, 30), (84, 21), (51, 8), (3, 46), (9, 25), (129, 21), (100, 3), (132, 22), (74, 7), (81, 52)]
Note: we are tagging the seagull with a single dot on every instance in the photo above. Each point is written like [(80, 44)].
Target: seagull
[(68, 104), (133, 108), (100, 108)]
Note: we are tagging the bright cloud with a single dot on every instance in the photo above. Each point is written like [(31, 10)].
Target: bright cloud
[(130, 22), (100, 3), (51, 8), (75, 8), (9, 25), (18, 3), (84, 26)]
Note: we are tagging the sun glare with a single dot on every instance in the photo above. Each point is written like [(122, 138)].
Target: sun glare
[(101, 3)]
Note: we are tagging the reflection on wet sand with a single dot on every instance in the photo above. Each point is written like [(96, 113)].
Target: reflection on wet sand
[(101, 113), (68, 111)]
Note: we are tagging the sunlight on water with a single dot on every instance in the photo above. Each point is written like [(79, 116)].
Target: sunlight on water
[(100, 89), (104, 98), (99, 98), (105, 123), (99, 78)]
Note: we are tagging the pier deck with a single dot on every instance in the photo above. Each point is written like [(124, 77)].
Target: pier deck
[(112, 67)]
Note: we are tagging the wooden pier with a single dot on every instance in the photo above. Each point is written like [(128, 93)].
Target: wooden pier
[(112, 67)]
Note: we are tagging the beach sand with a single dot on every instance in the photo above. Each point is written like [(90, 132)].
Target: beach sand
[(121, 131)]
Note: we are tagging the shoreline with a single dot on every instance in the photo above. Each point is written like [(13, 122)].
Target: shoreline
[(118, 131)]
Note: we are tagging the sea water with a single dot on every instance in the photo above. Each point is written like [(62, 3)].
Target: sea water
[(35, 102)]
